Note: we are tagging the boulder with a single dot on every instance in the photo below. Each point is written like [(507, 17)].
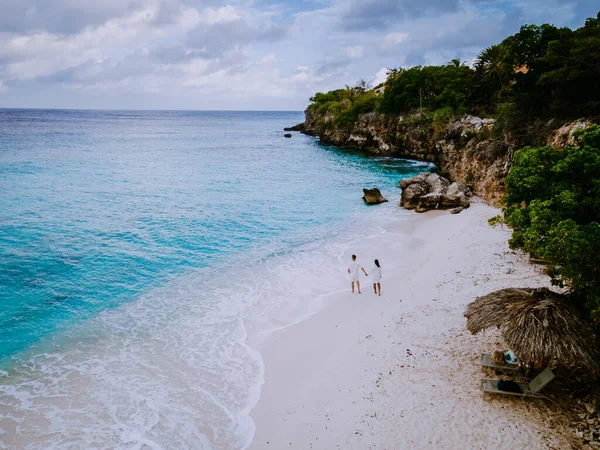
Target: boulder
[(411, 195), (431, 191), (373, 196), (287, 135), (437, 183), (456, 195), (429, 201), (299, 127)]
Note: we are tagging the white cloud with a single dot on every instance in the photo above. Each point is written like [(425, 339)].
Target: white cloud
[(221, 15), (267, 59), (210, 54), (355, 52), (301, 74), (380, 76), (393, 39)]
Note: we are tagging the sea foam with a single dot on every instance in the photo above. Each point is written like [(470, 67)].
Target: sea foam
[(148, 261)]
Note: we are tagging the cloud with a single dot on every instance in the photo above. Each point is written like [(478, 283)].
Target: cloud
[(301, 74), (221, 15), (335, 64), (355, 52), (239, 53), (62, 17), (361, 15), (267, 59), (380, 76), (393, 39), (223, 30)]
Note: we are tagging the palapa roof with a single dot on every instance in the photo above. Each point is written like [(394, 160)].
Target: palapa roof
[(537, 325)]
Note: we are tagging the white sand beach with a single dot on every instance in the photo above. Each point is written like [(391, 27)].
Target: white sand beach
[(401, 370)]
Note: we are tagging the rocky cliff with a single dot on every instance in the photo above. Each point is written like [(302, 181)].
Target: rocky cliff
[(467, 149)]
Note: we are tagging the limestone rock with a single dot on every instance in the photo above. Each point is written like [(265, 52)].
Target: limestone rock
[(467, 149), (470, 125), (456, 194), (564, 135), (411, 195), (428, 191), (590, 406), (299, 127), (373, 196), (457, 210)]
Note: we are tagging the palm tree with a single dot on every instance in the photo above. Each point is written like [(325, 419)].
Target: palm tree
[(456, 62), (495, 60)]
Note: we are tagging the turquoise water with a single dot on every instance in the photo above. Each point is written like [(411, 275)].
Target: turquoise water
[(112, 223), (99, 206)]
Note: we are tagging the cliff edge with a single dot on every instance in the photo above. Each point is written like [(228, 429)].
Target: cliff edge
[(467, 149)]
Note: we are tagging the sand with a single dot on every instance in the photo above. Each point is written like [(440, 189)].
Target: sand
[(400, 371)]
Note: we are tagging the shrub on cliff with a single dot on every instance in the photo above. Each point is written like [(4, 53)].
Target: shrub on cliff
[(431, 87), (344, 105), (360, 104), (553, 206), (540, 72)]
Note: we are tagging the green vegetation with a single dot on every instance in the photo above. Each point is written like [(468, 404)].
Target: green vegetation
[(431, 87), (553, 206), (541, 71), (345, 105), (496, 220)]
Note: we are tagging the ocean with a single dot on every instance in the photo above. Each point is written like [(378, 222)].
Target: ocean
[(145, 257)]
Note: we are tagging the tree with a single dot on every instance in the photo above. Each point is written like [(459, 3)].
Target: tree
[(456, 62), (572, 72), (553, 206), (530, 43), (496, 61), (432, 87), (362, 85)]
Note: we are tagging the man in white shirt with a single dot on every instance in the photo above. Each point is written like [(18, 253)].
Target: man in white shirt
[(354, 270)]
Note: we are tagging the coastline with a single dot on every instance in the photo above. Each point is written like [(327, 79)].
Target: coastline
[(400, 370)]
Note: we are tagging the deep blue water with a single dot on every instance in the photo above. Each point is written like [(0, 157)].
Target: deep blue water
[(99, 207)]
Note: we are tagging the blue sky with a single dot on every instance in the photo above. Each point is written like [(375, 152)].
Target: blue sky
[(192, 54)]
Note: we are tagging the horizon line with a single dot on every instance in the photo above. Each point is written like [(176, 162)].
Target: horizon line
[(148, 110)]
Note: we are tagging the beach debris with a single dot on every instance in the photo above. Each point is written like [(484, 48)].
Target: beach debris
[(428, 191), (373, 196)]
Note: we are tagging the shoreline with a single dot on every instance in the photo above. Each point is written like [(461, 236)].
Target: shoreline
[(401, 370), (229, 387)]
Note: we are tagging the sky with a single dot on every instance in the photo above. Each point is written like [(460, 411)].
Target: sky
[(239, 54)]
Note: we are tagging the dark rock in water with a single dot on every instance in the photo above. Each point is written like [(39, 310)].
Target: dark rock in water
[(457, 210), (287, 135), (299, 127), (431, 191), (373, 196)]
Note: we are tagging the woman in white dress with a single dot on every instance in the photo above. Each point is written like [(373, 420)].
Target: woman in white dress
[(376, 276)]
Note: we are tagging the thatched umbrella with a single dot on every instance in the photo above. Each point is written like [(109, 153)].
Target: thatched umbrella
[(538, 325)]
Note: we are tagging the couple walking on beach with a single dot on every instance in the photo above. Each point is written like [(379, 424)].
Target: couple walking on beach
[(354, 271)]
